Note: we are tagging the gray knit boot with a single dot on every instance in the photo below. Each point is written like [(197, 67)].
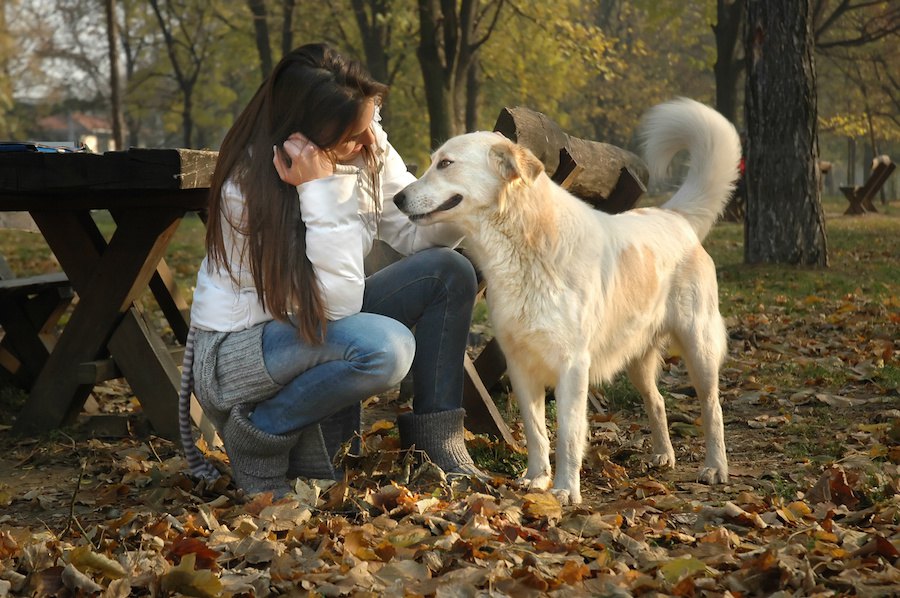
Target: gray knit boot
[(440, 435), (259, 460), (313, 455)]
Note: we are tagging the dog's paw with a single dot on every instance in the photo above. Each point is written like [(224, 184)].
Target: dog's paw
[(566, 497), (540, 482), (663, 460), (713, 475)]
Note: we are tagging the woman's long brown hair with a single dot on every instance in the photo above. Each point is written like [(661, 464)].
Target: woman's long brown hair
[(315, 91)]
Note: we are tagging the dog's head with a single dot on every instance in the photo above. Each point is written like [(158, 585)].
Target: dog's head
[(469, 174)]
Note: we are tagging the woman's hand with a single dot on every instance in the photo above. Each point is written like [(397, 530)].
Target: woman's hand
[(301, 161)]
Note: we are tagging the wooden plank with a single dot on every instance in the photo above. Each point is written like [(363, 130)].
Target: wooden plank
[(103, 199), (33, 284), (150, 370), (101, 370), (482, 415), (136, 168)]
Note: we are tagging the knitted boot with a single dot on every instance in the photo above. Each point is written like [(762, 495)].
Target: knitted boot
[(440, 435), (313, 455), (259, 460)]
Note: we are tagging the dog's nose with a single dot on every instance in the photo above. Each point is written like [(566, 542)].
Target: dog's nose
[(400, 200)]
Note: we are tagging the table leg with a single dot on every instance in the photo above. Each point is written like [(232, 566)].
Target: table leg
[(154, 381), (169, 298), (107, 282), (172, 303)]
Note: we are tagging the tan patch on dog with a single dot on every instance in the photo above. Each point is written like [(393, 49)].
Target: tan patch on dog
[(638, 281)]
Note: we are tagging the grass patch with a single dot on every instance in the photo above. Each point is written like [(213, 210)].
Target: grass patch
[(864, 255), (621, 395)]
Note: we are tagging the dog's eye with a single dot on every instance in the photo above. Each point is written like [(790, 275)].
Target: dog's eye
[(444, 163)]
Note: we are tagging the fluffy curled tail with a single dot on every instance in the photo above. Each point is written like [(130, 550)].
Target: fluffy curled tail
[(197, 463), (715, 150)]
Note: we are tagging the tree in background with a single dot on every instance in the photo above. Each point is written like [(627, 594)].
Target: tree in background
[(660, 50), (450, 37), (115, 99), (785, 222), (188, 47), (729, 60), (858, 43)]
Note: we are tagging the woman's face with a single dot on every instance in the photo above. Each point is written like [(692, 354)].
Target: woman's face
[(359, 135)]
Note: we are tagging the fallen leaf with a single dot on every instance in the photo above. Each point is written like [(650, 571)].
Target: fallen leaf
[(541, 505), (677, 569), (78, 582), (202, 583), (84, 558)]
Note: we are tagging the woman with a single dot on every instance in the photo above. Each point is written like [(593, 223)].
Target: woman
[(288, 333)]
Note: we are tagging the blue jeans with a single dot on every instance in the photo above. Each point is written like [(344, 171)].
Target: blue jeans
[(370, 352)]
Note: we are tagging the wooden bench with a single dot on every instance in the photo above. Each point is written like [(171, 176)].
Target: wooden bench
[(30, 308), (860, 198)]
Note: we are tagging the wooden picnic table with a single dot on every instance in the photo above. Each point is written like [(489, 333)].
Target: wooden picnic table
[(147, 192)]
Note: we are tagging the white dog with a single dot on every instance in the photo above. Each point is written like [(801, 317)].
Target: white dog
[(576, 295)]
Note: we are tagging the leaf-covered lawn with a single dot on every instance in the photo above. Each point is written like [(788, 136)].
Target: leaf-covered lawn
[(811, 398)]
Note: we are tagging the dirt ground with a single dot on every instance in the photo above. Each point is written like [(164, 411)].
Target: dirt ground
[(776, 447)]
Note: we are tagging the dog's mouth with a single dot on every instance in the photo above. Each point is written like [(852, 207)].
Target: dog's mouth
[(447, 205)]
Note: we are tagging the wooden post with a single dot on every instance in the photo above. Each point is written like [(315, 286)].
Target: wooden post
[(611, 179)]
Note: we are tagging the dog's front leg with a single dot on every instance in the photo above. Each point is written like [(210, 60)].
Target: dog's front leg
[(572, 429), (530, 396)]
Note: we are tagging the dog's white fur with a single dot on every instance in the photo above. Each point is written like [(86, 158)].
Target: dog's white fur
[(576, 295)]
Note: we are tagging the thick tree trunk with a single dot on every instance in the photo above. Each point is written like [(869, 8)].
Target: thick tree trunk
[(784, 222), (729, 14)]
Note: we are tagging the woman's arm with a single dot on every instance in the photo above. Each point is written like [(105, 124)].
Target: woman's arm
[(334, 239)]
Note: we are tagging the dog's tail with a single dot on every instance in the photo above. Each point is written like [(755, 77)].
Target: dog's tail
[(715, 151)]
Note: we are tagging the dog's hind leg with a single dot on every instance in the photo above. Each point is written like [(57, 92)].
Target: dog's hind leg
[(530, 396), (703, 356), (643, 372), (572, 429)]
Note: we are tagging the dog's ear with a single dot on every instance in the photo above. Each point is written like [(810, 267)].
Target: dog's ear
[(515, 162)]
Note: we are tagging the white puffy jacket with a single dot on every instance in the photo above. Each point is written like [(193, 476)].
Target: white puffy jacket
[(342, 219)]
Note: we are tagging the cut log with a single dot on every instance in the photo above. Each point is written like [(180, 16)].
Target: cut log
[(611, 178)]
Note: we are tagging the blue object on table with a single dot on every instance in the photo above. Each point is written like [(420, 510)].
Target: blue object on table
[(32, 146)]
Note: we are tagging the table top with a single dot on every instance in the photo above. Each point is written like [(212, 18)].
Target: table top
[(137, 177)]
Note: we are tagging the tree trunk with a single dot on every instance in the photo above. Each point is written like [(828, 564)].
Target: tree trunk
[(784, 222), (473, 89), (287, 24), (727, 70), (437, 96), (261, 30), (187, 118), (375, 39), (115, 97)]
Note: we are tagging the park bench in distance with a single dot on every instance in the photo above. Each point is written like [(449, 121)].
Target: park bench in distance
[(860, 198)]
